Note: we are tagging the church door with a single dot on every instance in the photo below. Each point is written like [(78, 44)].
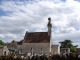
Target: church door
[(4, 52)]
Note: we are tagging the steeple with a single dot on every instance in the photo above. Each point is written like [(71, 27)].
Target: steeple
[(49, 25)]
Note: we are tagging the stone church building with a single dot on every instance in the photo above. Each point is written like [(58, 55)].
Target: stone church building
[(36, 42)]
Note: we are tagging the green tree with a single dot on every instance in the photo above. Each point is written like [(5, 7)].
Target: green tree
[(73, 49), (68, 44), (1, 42)]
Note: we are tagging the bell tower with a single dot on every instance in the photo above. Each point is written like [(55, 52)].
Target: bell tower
[(49, 25)]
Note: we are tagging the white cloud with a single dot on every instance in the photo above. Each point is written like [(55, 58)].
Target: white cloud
[(2, 36), (32, 16)]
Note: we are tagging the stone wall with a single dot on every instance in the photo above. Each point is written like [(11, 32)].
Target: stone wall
[(37, 48), (65, 50), (55, 49), (1, 51), (5, 50), (12, 45)]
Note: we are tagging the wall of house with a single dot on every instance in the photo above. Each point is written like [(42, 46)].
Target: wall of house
[(19, 48), (55, 49), (65, 50), (58, 49), (5, 49), (1, 51), (12, 45), (37, 48)]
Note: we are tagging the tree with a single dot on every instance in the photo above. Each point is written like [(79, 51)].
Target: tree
[(1, 42), (68, 44), (73, 49)]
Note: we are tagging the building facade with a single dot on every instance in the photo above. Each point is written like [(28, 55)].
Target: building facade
[(37, 42), (3, 50)]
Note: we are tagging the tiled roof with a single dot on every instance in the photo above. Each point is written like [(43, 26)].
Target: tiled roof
[(37, 37), (78, 49), (20, 42)]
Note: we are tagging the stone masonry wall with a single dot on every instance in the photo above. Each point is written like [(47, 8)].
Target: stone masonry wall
[(1, 51), (5, 49), (38, 48), (55, 49)]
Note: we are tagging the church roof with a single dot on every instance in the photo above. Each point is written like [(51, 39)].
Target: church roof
[(36, 37), (20, 42)]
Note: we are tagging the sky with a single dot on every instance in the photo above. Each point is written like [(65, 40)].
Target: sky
[(19, 16)]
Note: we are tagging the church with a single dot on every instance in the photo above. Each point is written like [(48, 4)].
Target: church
[(36, 42)]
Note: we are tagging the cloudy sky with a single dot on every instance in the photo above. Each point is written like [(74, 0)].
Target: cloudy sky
[(17, 17)]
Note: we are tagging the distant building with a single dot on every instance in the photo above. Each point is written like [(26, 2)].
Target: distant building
[(37, 42), (3, 50), (78, 50), (65, 50), (55, 49)]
